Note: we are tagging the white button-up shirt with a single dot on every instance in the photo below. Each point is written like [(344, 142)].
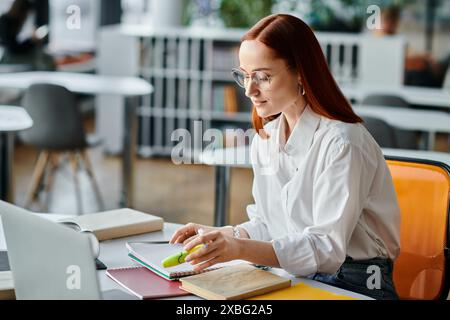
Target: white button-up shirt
[(324, 195)]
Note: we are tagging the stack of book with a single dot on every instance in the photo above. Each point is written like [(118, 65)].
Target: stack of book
[(231, 280)]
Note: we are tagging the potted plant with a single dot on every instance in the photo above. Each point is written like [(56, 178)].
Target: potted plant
[(244, 13), (337, 15)]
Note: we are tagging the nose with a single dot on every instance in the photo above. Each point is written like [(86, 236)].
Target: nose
[(251, 89)]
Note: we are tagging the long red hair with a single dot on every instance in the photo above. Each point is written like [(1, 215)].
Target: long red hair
[(295, 42)]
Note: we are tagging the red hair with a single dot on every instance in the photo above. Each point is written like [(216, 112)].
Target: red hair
[(295, 43)]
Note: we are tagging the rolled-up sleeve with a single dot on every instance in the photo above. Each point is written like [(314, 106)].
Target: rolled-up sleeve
[(339, 193)]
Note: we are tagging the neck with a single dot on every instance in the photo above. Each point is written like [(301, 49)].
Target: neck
[(293, 114)]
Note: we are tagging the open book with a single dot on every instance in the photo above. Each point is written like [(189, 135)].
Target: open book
[(116, 223), (151, 256), (234, 283)]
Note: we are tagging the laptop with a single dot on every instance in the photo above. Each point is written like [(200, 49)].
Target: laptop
[(50, 261)]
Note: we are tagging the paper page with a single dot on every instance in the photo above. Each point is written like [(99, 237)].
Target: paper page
[(154, 254)]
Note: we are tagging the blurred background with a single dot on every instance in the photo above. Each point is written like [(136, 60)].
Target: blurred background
[(385, 54)]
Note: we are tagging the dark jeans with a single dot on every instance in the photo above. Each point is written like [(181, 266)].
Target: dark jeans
[(361, 276)]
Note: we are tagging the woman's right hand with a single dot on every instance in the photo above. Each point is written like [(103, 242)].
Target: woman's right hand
[(188, 232)]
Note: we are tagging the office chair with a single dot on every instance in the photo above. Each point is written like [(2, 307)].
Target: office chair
[(405, 139), (381, 131), (58, 129), (422, 270)]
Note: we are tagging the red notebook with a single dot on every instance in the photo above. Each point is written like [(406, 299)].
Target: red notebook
[(144, 283)]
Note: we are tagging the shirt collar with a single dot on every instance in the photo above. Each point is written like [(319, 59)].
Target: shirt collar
[(302, 135)]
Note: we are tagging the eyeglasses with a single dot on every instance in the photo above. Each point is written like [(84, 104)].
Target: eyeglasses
[(261, 79)]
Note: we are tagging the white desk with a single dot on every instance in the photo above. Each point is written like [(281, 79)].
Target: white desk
[(425, 97), (127, 87), (12, 119), (225, 159), (429, 121), (8, 68), (114, 254)]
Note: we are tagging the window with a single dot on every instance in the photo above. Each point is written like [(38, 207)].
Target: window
[(136, 11)]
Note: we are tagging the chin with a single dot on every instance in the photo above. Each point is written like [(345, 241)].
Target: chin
[(263, 112)]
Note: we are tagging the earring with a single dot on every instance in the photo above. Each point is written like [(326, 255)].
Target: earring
[(303, 89)]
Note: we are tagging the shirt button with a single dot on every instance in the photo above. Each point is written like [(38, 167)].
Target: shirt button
[(296, 169), (288, 148)]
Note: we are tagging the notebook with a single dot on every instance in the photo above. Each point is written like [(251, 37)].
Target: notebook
[(302, 291), (145, 284), (234, 283), (116, 223), (151, 256)]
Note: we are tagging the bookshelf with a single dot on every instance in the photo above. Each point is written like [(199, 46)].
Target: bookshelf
[(191, 74), (190, 69)]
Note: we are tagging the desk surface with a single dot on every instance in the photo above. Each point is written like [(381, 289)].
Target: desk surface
[(426, 97), (408, 119), (79, 82), (14, 119), (240, 157), (114, 254)]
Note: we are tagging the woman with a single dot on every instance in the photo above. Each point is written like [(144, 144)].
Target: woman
[(30, 51), (325, 204)]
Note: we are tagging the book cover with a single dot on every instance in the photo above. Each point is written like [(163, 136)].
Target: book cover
[(302, 291), (230, 99), (145, 284), (151, 256), (234, 283), (116, 223)]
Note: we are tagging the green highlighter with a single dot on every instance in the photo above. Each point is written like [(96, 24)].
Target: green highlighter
[(179, 258)]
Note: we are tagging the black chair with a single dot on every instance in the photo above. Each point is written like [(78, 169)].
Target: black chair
[(405, 139), (57, 130), (381, 131)]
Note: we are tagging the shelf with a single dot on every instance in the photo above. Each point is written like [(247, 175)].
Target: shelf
[(238, 116), (174, 74), (224, 76)]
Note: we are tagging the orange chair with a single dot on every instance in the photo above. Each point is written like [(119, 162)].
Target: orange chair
[(422, 270)]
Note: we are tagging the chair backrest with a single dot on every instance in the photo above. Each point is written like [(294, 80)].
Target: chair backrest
[(405, 139), (57, 119), (381, 131), (422, 270), (385, 100)]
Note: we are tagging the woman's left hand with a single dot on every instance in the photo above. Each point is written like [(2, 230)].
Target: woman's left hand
[(218, 248)]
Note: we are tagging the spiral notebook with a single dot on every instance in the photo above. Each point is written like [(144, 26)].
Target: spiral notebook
[(150, 256)]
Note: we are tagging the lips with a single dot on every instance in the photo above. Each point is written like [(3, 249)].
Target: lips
[(258, 103)]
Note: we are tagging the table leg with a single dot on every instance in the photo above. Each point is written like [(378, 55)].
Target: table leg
[(222, 195), (129, 152), (6, 167), (431, 140), (448, 142)]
